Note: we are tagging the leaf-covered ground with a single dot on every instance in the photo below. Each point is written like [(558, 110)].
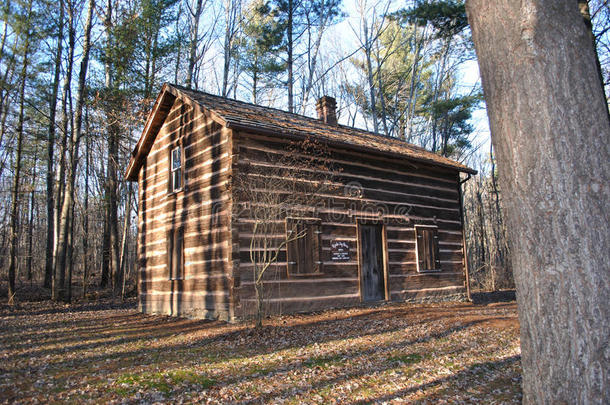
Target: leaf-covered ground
[(402, 353)]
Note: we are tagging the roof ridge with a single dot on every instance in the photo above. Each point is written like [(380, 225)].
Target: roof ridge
[(234, 110), (182, 88), (312, 119)]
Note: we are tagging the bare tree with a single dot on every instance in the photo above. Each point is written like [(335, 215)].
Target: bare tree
[(14, 218), (285, 187), (233, 18), (51, 148), (372, 26), (64, 251), (199, 42), (58, 276), (488, 259), (194, 41)]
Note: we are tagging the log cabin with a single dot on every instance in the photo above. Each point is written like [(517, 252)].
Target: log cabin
[(194, 245)]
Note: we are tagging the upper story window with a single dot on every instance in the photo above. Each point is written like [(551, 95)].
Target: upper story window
[(176, 179), (427, 249)]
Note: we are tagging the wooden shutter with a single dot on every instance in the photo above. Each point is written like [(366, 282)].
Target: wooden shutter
[(427, 249), (170, 253), (315, 230), (292, 248), (303, 254), (175, 253), (303, 258), (178, 253), (436, 262)]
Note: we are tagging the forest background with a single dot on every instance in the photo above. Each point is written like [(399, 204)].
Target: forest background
[(78, 78)]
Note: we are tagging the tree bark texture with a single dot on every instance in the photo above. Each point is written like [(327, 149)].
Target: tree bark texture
[(196, 16), (550, 130), (14, 224), (290, 50), (58, 276), (64, 242), (50, 150)]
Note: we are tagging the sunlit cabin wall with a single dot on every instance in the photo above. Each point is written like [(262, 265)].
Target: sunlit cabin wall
[(200, 209), (410, 193)]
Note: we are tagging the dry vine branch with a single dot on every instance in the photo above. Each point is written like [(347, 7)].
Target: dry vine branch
[(289, 185)]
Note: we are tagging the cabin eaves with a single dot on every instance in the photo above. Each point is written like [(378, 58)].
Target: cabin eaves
[(243, 116)]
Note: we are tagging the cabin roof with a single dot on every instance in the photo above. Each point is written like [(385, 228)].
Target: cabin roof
[(243, 116)]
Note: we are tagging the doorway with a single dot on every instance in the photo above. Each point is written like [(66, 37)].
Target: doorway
[(371, 256)]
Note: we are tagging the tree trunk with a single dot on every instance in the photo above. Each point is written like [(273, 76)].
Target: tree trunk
[(583, 7), (312, 55), (194, 43), (58, 276), (105, 262), (290, 56), (231, 14), (124, 242), (384, 118), (86, 256), (31, 217), (550, 129), (7, 14), (64, 242), (438, 83), (260, 301), (179, 49), (111, 241), (113, 185), (482, 233), (14, 224), (369, 71), (48, 274), (70, 253), (414, 80)]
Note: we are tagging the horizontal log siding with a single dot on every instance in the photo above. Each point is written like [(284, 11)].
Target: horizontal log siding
[(408, 194), (201, 208)]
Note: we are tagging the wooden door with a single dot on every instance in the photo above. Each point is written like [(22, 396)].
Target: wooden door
[(372, 280)]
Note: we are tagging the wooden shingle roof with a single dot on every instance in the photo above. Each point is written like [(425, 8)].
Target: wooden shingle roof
[(244, 116)]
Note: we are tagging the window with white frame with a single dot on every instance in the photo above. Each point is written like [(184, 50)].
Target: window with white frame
[(176, 179)]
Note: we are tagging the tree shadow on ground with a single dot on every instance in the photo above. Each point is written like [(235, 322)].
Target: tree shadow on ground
[(466, 374), (45, 338), (104, 342)]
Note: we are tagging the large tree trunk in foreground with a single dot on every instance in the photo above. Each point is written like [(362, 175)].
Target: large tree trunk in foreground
[(550, 129)]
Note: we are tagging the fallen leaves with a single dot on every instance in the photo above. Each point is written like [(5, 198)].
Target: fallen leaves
[(402, 353)]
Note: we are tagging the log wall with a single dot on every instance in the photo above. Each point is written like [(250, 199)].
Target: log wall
[(200, 209), (405, 194)]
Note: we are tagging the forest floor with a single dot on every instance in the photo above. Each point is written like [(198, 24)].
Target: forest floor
[(397, 353)]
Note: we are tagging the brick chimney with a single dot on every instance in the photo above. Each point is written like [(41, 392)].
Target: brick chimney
[(327, 110)]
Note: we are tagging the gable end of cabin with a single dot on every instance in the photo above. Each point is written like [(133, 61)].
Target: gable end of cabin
[(184, 236)]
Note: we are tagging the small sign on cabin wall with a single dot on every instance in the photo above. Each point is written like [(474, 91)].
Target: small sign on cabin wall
[(339, 251)]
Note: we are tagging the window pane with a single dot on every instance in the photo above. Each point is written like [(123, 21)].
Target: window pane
[(177, 176), (176, 162)]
